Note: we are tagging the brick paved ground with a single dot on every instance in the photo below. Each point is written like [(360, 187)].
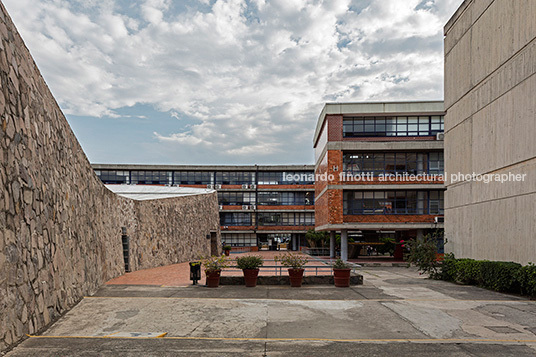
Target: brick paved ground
[(179, 274)]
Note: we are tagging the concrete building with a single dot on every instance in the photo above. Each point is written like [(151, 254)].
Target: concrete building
[(490, 98), (379, 170), (260, 206)]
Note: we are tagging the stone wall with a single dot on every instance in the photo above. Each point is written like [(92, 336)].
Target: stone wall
[(490, 86), (60, 228)]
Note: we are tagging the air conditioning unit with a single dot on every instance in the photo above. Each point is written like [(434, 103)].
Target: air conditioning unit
[(225, 227), (221, 206), (439, 219), (217, 187), (244, 185), (210, 186), (440, 136), (253, 186), (246, 207), (253, 206)]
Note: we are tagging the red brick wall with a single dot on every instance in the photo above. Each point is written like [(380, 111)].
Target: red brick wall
[(321, 210), (334, 127)]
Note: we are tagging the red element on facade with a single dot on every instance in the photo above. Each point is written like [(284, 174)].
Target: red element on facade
[(334, 123)]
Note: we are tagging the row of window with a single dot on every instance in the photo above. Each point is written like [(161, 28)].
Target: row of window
[(239, 239), (392, 126), (266, 198), (205, 177), (286, 219), (393, 163), (236, 198), (268, 219), (285, 198), (393, 202)]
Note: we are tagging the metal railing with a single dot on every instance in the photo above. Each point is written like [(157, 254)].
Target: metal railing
[(278, 269)]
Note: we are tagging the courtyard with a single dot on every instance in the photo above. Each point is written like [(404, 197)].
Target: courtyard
[(396, 311)]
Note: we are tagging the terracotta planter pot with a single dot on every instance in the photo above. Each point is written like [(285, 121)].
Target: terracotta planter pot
[(295, 276), (227, 252), (250, 277), (341, 277), (213, 278)]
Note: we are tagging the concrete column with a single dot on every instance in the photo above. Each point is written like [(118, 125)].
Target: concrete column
[(294, 238), (344, 244), (332, 242), (420, 235)]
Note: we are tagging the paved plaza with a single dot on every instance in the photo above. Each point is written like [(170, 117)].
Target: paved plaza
[(396, 312)]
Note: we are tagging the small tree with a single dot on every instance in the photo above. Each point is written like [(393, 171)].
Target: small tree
[(316, 239), (423, 253)]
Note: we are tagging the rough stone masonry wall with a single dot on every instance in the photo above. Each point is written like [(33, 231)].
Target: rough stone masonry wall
[(490, 86), (60, 228)]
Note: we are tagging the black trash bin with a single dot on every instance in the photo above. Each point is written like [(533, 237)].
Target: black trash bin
[(195, 272)]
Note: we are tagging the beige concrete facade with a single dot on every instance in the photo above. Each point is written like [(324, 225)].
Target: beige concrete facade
[(490, 86)]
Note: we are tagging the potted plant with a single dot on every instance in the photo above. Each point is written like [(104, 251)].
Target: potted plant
[(227, 250), (341, 273), (250, 266), (295, 264), (213, 266)]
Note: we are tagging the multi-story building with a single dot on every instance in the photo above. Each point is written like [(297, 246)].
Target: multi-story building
[(260, 206), (379, 171)]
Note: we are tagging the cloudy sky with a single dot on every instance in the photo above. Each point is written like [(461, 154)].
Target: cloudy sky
[(226, 82)]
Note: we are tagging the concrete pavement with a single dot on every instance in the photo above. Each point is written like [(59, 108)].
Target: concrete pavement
[(396, 312)]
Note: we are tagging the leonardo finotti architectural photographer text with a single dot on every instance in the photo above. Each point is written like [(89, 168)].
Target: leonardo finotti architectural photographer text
[(398, 177)]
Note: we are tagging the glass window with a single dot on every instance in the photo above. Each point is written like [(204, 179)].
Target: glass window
[(392, 126), (393, 202)]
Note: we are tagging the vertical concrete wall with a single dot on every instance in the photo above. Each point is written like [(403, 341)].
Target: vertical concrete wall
[(490, 96), (60, 228)]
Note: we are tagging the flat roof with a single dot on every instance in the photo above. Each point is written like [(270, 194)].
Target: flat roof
[(364, 108), (203, 167), (147, 192)]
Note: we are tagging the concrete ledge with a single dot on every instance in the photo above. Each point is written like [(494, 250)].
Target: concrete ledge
[(284, 280)]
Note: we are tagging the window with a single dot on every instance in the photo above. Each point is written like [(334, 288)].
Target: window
[(235, 219), (285, 198), (236, 198), (239, 239), (235, 178), (285, 178), (393, 202), (193, 178), (390, 163), (286, 219), (435, 163), (113, 176), (392, 126), (151, 177)]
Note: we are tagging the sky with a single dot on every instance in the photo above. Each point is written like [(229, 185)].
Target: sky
[(226, 82)]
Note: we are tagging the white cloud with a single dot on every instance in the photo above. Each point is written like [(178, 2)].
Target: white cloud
[(249, 71)]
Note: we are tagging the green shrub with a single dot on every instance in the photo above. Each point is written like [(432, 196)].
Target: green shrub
[(340, 264), (527, 279), (467, 271), (290, 260), (423, 253), (500, 276), (508, 277), (249, 262)]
